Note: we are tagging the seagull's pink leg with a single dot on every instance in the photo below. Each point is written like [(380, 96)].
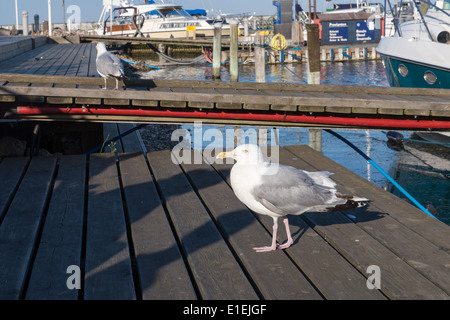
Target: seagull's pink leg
[(274, 239), (289, 241), (105, 85), (117, 85)]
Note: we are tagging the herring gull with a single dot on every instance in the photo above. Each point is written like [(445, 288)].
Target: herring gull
[(279, 190), (109, 65)]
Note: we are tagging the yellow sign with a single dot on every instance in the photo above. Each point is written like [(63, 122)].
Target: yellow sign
[(190, 28)]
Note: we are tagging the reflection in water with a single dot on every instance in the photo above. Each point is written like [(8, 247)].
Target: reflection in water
[(418, 179)]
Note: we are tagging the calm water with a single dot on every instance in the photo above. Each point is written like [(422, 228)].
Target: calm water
[(423, 171)]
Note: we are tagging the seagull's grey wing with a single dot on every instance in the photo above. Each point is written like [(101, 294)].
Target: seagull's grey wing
[(292, 191), (109, 65)]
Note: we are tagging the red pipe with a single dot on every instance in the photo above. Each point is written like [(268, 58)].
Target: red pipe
[(288, 118)]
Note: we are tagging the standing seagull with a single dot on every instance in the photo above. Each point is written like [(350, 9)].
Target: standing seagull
[(109, 65), (280, 190)]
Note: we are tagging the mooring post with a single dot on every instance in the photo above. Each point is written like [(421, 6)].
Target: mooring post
[(234, 63), (25, 23), (260, 58), (313, 53), (217, 50), (315, 135)]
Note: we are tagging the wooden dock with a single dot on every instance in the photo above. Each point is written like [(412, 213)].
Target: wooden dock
[(139, 226), (59, 82)]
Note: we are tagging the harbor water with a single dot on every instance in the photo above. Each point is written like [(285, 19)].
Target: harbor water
[(423, 170)]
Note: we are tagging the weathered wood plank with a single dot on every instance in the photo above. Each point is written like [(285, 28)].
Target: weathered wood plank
[(273, 273), (20, 227), (108, 273), (376, 224), (432, 230), (216, 272), (11, 172), (110, 131), (130, 142), (162, 272), (61, 240)]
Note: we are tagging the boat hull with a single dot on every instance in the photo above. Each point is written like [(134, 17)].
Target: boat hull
[(416, 76)]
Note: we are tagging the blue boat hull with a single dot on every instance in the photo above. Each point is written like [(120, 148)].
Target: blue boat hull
[(402, 73)]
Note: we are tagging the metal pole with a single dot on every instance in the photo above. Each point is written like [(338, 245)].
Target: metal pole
[(50, 29), (217, 50), (17, 17), (234, 63), (64, 15)]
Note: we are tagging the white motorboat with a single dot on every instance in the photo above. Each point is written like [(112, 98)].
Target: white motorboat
[(418, 54), (155, 20)]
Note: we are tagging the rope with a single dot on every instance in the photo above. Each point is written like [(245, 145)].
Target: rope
[(399, 187), (395, 136)]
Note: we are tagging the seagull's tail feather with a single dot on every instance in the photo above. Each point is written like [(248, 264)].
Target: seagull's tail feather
[(352, 202), (121, 77)]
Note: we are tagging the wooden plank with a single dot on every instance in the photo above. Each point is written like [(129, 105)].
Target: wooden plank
[(61, 240), (216, 272), (434, 231), (92, 72), (108, 273), (13, 65), (130, 142), (352, 242), (162, 272), (11, 172), (273, 273), (68, 100), (142, 102), (110, 131), (60, 61), (20, 227), (48, 58)]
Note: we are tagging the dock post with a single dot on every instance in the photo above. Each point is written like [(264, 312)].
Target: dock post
[(315, 139), (50, 28), (234, 63), (217, 50), (313, 53), (260, 58), (25, 23)]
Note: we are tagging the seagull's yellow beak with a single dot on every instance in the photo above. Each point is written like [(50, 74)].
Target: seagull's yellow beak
[(222, 155)]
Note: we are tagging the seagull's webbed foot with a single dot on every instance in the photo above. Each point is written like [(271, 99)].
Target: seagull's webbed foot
[(266, 249), (285, 245)]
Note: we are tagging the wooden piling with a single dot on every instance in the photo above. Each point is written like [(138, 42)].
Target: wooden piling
[(313, 53), (260, 59), (217, 50), (234, 63)]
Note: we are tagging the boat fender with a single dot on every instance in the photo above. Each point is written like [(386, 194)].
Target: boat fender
[(394, 136)]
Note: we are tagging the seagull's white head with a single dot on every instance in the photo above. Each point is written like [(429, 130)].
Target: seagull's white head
[(245, 154), (101, 48)]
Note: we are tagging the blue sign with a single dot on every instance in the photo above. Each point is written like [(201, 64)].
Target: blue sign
[(365, 30), (338, 32)]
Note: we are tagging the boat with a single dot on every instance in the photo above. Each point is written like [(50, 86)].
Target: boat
[(155, 20), (418, 54)]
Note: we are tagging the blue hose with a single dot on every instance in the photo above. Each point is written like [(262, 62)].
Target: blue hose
[(399, 187), (132, 62)]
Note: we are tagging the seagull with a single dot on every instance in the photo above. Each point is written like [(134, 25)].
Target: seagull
[(109, 65), (277, 190)]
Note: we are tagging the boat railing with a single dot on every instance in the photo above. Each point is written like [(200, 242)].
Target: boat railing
[(397, 16)]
